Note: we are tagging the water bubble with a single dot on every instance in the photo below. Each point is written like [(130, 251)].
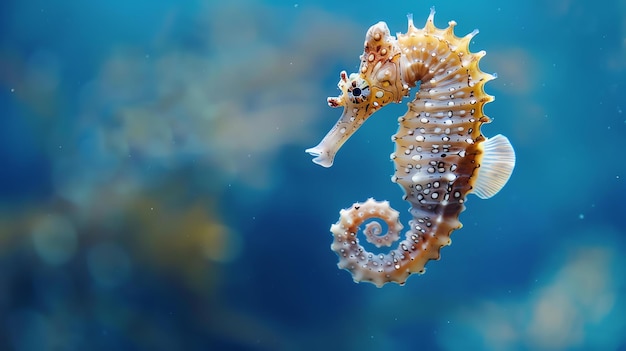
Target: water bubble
[(54, 239)]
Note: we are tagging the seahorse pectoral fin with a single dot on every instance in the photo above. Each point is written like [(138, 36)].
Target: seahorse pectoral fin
[(347, 124), (497, 164)]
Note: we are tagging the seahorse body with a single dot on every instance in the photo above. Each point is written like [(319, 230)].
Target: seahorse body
[(440, 154)]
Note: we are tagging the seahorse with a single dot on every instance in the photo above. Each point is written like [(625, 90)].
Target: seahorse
[(440, 154)]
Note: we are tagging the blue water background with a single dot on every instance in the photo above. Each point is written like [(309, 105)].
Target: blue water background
[(155, 193)]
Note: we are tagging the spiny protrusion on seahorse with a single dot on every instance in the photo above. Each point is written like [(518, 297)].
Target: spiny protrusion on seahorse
[(440, 156)]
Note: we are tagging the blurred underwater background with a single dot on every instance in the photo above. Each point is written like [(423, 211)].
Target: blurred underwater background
[(155, 193)]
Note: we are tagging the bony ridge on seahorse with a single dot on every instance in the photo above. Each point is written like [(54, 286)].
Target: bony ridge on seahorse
[(440, 154)]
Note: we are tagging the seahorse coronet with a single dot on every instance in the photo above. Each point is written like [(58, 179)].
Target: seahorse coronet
[(440, 152)]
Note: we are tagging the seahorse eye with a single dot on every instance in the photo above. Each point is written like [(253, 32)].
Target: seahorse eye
[(359, 91)]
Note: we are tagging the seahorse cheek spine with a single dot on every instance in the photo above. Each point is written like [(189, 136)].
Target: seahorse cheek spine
[(440, 155)]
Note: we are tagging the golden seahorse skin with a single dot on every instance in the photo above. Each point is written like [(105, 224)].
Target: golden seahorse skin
[(439, 147)]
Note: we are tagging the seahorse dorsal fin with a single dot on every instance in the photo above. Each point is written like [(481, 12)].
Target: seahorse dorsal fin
[(497, 165)]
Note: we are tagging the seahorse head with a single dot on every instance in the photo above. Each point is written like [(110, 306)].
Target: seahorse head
[(377, 83)]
